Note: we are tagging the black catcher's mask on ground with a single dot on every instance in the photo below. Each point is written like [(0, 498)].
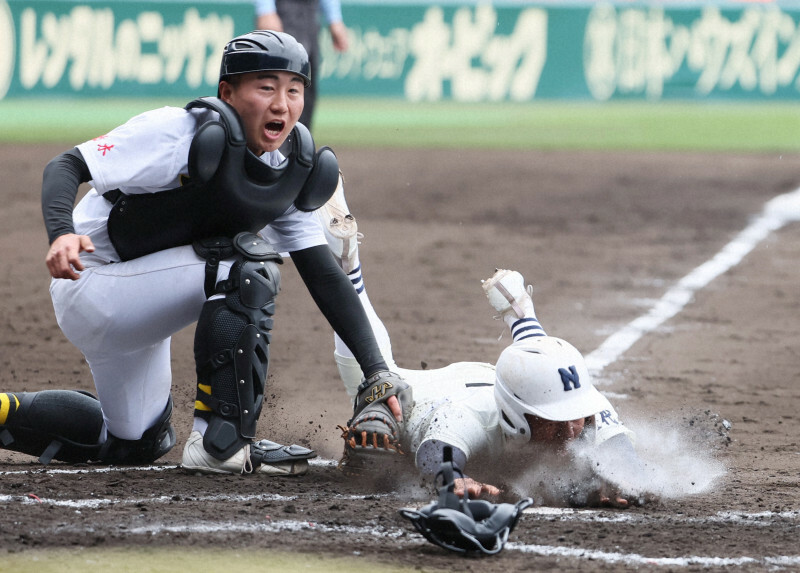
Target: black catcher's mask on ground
[(462, 525)]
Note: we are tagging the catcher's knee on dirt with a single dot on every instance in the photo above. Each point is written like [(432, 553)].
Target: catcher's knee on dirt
[(156, 441), (66, 425), (232, 348), (52, 425)]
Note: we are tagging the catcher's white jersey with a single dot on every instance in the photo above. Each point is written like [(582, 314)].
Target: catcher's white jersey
[(456, 405), (149, 154)]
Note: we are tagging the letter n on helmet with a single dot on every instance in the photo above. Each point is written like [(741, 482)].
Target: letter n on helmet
[(544, 377)]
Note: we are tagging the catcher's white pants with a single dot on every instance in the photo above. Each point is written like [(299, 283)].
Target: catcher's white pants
[(122, 316)]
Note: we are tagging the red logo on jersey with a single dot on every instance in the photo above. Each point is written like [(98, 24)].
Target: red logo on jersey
[(104, 148)]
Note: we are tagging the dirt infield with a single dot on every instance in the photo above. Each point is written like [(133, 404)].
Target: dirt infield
[(602, 236)]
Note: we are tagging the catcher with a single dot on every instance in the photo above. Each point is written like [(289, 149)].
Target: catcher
[(188, 213), (537, 401)]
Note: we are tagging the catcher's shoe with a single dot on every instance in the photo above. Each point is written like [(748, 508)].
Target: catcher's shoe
[(341, 229), (508, 295), (262, 457)]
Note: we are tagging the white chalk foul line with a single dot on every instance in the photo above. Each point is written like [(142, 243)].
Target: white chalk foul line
[(87, 469), (95, 502), (777, 212), (292, 526), (748, 519), (636, 559), (268, 526), (321, 462)]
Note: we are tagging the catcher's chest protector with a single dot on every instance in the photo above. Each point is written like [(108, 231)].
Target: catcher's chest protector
[(229, 189)]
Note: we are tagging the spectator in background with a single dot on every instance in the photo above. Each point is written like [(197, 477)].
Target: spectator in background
[(300, 18)]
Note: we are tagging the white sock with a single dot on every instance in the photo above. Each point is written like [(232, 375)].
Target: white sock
[(199, 425), (349, 372)]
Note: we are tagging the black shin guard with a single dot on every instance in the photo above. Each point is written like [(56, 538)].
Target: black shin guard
[(52, 425), (65, 425), (232, 353)]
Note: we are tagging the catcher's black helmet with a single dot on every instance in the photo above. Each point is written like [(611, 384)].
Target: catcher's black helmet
[(263, 50)]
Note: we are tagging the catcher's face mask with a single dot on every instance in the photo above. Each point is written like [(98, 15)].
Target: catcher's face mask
[(461, 525)]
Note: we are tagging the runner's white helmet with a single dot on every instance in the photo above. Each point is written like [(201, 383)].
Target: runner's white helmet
[(546, 377)]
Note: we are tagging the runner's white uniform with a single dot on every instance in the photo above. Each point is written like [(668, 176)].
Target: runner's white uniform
[(455, 405), (121, 315)]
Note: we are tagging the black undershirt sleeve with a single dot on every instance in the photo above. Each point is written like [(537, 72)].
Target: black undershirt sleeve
[(60, 182), (338, 301)]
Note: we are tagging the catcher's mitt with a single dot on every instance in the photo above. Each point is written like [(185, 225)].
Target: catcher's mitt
[(373, 427), (462, 525)]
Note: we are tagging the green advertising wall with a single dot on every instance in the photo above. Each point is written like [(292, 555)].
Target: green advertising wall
[(97, 48), (419, 51), (521, 51)]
